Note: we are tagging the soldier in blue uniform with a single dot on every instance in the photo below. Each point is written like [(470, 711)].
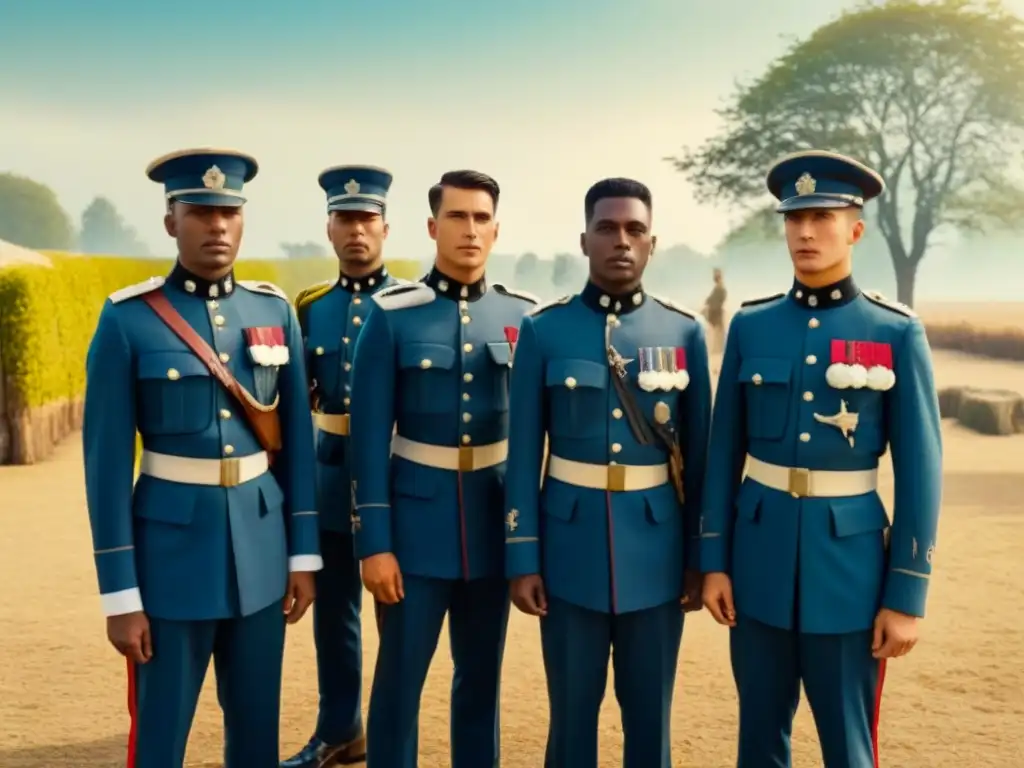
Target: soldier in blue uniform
[(800, 558), (605, 552), (432, 364), (331, 315), (210, 554)]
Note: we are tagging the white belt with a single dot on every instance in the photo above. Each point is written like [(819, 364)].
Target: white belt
[(607, 477), (462, 459), (333, 423), (223, 472), (802, 483)]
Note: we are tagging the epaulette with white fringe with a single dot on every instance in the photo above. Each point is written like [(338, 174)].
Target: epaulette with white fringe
[(404, 295), (876, 297)]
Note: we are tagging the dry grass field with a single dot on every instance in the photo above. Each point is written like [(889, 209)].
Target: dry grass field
[(957, 701)]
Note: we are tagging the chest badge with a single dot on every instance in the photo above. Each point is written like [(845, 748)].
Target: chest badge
[(860, 364), (662, 368), (845, 421)]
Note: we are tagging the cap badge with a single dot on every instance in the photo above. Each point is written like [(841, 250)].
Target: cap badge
[(214, 178), (806, 184), (352, 187)]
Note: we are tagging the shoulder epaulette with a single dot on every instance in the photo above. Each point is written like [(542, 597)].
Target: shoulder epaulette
[(261, 286), (504, 290), (139, 289), (561, 300), (313, 292), (762, 300), (875, 297), (675, 307), (404, 295)]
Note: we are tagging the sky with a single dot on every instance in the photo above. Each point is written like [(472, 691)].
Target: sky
[(546, 96)]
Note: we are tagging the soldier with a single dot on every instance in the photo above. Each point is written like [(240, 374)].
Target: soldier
[(432, 364), (714, 313), (199, 558), (331, 315), (815, 385), (606, 552)]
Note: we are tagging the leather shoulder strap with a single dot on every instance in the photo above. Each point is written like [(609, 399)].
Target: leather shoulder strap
[(158, 302)]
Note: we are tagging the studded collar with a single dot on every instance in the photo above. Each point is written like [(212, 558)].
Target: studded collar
[(192, 283), (611, 303), (827, 297)]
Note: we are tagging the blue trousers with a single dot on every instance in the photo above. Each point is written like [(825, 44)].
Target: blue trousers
[(477, 618), (163, 693), (338, 637), (644, 648), (843, 684)]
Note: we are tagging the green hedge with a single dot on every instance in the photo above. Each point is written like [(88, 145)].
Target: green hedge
[(48, 315)]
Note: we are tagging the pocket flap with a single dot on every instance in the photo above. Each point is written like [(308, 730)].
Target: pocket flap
[(170, 365), (748, 500), (766, 370), (415, 480), (323, 343), (424, 356), (576, 373), (559, 499), (852, 515), (500, 352)]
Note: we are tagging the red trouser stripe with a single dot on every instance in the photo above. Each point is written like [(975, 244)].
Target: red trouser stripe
[(132, 715), (878, 709)]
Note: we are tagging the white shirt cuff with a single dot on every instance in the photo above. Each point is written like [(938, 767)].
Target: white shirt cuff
[(300, 563), (122, 602)]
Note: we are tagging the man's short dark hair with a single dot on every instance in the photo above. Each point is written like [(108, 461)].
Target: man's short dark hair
[(617, 187), (463, 180)]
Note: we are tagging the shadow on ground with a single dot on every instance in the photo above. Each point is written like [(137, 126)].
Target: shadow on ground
[(105, 753)]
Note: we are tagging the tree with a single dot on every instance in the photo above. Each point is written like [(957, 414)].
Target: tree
[(526, 265), (931, 95), (307, 250), (104, 231), (30, 215)]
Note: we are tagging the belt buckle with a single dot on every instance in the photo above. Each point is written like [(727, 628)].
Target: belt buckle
[(799, 482), (230, 472), (616, 477), (466, 458)]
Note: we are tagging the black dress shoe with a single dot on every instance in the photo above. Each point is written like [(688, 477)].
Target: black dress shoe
[(319, 754)]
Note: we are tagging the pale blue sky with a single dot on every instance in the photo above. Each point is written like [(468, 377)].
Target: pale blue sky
[(545, 96)]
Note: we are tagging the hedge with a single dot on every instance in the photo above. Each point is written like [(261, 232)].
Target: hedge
[(47, 317)]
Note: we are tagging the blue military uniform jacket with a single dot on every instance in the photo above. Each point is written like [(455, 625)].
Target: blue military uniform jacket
[(433, 363), (331, 316), (186, 550), (602, 547), (796, 370)]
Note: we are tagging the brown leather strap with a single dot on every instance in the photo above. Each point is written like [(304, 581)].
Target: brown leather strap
[(158, 302)]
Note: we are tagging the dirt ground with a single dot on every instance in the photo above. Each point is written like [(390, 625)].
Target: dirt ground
[(957, 700)]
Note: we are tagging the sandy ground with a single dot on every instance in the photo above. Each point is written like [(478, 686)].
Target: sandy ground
[(958, 700)]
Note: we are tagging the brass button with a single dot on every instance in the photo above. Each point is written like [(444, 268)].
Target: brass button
[(466, 439), (347, 366), (225, 413), (467, 377), (228, 450), (357, 300), (813, 323), (811, 359), (425, 363), (224, 357), (319, 350), (467, 417), (218, 320), (805, 437), (757, 379), (172, 374), (347, 401), (465, 396), (465, 319), (570, 382), (357, 320), (213, 304), (616, 413), (616, 448), (467, 347), (345, 339), (808, 396)]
